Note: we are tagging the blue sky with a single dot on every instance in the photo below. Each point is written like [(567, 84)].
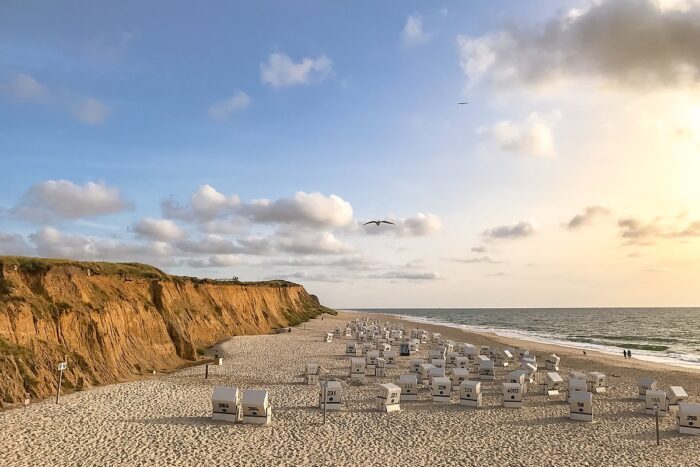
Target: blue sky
[(108, 110)]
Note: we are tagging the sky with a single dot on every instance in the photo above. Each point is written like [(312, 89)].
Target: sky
[(254, 139)]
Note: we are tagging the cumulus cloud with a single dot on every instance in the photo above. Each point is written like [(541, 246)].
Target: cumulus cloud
[(479, 249), (409, 275), (206, 204), (50, 242), (281, 71), (633, 42), (62, 199), (157, 229), (324, 243), (215, 261), (91, 111), (519, 229), (412, 33), (223, 110), (24, 87), (639, 232), (420, 225), (586, 217), (533, 136), (14, 244), (311, 209)]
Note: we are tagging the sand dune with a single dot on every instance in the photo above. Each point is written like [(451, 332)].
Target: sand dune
[(166, 420)]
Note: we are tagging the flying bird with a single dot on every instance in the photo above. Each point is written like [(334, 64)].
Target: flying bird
[(378, 222), (462, 103)]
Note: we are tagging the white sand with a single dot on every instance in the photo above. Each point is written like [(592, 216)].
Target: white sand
[(167, 420)]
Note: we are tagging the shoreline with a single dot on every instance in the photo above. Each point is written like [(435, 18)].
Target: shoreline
[(491, 338)]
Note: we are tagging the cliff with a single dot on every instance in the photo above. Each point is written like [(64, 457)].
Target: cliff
[(112, 322)]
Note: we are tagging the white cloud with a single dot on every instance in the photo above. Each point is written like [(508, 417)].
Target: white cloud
[(25, 87), (633, 42), (324, 243), (409, 275), (206, 204), (157, 229), (62, 199), (91, 111), (534, 136), (351, 263), (412, 33), (223, 110), (310, 209), (215, 261), (210, 244), (639, 232), (519, 229), (420, 225), (14, 244), (586, 217), (52, 243), (281, 71)]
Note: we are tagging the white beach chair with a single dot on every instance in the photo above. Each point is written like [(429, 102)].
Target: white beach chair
[(470, 394), (424, 372), (689, 418), (581, 406), (439, 363), (357, 368), (512, 395), (435, 372), (385, 348), (458, 376), (450, 345), (462, 362), (409, 387), (676, 395), (388, 398), (333, 395), (645, 384), (655, 399), (517, 376), (329, 337), (486, 370), (256, 407), (576, 385), (552, 381), (452, 359), (226, 404), (351, 349), (391, 358), (485, 350), (552, 362), (441, 390), (503, 358), (312, 373), (596, 382), (414, 365)]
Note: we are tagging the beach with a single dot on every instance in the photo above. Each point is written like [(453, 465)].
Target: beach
[(166, 419)]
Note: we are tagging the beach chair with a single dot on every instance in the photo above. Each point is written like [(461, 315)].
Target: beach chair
[(581, 406), (414, 345), (485, 350), (391, 358), (689, 418), (329, 337), (424, 372), (436, 336), (338, 331), (440, 363), (516, 376), (596, 382), (458, 376), (552, 381), (503, 358), (470, 394), (462, 362), (451, 359), (552, 362), (384, 348), (676, 395), (414, 365), (512, 395), (388, 398), (405, 349), (471, 352), (441, 390), (576, 385), (435, 354), (256, 407), (645, 384), (333, 395), (357, 368), (435, 372), (380, 369), (351, 349), (486, 369), (655, 399), (409, 387), (371, 357), (312, 373), (449, 345), (226, 404), (522, 353)]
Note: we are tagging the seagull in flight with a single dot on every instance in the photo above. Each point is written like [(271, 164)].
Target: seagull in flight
[(462, 103), (378, 222)]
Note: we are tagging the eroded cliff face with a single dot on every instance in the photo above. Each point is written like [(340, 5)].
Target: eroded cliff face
[(112, 322)]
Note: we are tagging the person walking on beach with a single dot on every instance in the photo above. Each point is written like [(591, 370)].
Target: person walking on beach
[(624, 352), (629, 353)]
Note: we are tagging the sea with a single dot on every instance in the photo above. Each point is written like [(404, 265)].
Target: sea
[(665, 335)]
